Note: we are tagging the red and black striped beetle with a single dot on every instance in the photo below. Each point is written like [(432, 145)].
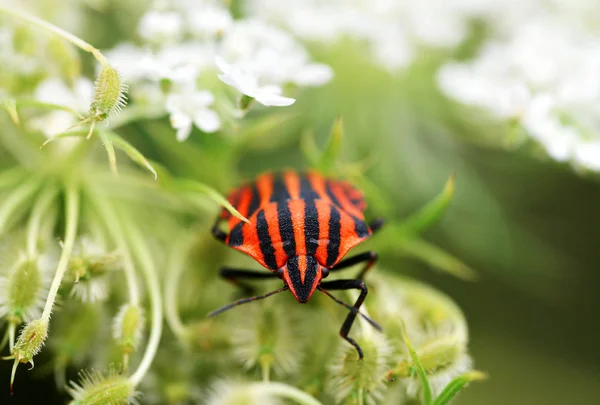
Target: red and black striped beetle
[(301, 227)]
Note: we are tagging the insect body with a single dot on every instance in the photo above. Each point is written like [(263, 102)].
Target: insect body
[(301, 227)]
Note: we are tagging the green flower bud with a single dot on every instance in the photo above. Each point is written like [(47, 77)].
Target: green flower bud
[(435, 326), (29, 344), (267, 337), (127, 327), (30, 341), (23, 291), (360, 381), (109, 96), (235, 393), (95, 388), (89, 267)]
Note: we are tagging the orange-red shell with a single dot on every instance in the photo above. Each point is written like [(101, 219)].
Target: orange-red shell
[(293, 214)]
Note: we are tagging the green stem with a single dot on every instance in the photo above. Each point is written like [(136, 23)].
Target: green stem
[(10, 177), (149, 269), (15, 201), (38, 22), (107, 216), (42, 204), (175, 267), (286, 391), (72, 219)]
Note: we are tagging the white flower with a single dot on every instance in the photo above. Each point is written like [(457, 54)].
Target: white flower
[(157, 27), (269, 53), (55, 91), (192, 107), (247, 84), (209, 21), (544, 73)]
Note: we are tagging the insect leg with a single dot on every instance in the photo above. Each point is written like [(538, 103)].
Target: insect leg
[(376, 225), (234, 276), (347, 285), (369, 257)]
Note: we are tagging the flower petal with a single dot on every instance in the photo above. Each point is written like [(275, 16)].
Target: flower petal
[(271, 99), (183, 124), (315, 74), (207, 120)]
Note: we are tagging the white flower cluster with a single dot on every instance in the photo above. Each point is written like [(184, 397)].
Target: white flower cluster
[(544, 74), (177, 67), (393, 30)]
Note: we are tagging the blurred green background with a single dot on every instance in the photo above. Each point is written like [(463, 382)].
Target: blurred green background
[(528, 226)]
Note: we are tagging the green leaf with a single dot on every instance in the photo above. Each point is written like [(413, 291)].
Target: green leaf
[(64, 135), (436, 257), (10, 105), (420, 370), (110, 151), (432, 212), (47, 106), (309, 148), (130, 151), (197, 187), (332, 150), (457, 384)]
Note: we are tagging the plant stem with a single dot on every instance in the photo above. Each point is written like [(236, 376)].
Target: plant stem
[(38, 22), (41, 206), (149, 269), (175, 267), (286, 391), (72, 218), (107, 215), (15, 201)]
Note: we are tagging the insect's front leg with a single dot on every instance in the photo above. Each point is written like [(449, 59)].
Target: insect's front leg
[(235, 277), (217, 232), (347, 285)]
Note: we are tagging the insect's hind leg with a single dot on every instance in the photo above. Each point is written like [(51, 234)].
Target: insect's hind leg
[(236, 277)]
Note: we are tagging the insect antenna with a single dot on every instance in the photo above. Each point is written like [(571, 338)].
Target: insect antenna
[(246, 300), (351, 308)]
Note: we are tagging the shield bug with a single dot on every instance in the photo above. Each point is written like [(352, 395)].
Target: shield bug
[(301, 227)]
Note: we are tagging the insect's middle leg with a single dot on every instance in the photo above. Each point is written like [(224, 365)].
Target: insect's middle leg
[(369, 258), (348, 285), (236, 277)]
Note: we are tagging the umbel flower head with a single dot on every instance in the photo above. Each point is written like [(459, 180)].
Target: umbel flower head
[(363, 381), (268, 337), (435, 325)]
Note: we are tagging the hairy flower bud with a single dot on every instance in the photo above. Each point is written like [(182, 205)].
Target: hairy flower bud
[(235, 393), (30, 342), (95, 388), (435, 325), (268, 337), (89, 267), (127, 327), (23, 290), (350, 378), (109, 95)]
